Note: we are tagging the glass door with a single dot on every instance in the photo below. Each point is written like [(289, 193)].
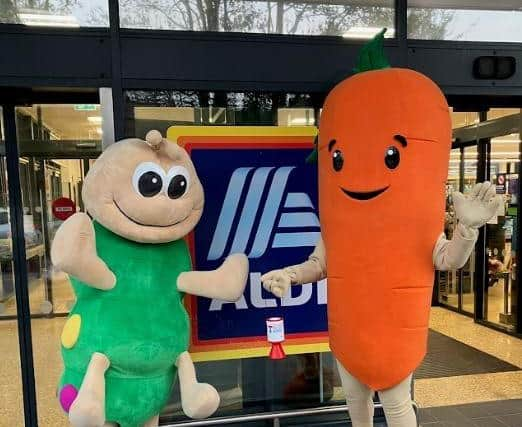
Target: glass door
[(56, 145), (486, 148), (456, 287), (448, 281), (10, 369), (500, 302), (467, 273)]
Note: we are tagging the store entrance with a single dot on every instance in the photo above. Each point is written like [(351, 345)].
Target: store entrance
[(56, 143), (46, 149), (486, 147)]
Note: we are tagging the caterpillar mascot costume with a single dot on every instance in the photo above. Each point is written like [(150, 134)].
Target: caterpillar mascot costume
[(128, 333), (383, 153)]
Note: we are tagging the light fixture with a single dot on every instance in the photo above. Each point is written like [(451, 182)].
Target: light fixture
[(95, 119), (367, 32), (39, 18), (296, 121), (471, 161)]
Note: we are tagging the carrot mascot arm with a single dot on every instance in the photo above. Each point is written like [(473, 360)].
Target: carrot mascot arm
[(278, 281), (473, 211)]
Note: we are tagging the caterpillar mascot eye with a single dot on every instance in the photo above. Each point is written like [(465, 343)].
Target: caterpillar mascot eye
[(178, 182), (148, 179)]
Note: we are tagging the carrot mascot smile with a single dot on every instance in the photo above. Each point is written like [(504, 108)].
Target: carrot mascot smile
[(383, 154)]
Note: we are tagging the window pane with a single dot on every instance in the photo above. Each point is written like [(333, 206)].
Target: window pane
[(473, 20), (254, 384), (349, 18), (55, 13), (163, 108)]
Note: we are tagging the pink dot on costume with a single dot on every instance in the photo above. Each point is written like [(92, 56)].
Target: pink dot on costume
[(67, 396)]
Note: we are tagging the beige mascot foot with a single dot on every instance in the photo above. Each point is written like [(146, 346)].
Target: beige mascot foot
[(199, 400), (153, 422), (88, 409)]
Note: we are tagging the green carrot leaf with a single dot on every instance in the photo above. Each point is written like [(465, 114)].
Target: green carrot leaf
[(371, 55)]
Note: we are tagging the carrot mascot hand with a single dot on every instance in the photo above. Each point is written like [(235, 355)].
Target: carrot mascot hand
[(277, 281), (478, 207), (312, 270)]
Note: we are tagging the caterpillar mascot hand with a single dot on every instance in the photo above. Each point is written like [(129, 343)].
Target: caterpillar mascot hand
[(128, 333), (383, 154)]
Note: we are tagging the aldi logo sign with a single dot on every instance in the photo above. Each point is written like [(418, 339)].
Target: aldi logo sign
[(273, 182), (260, 200)]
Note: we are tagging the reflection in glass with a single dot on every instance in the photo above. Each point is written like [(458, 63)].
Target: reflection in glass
[(456, 287), (447, 281), (59, 122), (54, 142), (463, 118), (258, 384), (498, 21), (348, 18), (501, 235), (55, 13), (45, 131), (162, 109), (468, 271)]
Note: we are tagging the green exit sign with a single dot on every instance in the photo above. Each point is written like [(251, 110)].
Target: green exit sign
[(85, 107)]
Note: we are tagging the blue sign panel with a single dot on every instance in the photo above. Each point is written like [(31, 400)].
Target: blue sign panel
[(261, 202)]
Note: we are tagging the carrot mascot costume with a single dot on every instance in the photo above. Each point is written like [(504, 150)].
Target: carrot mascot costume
[(383, 154)]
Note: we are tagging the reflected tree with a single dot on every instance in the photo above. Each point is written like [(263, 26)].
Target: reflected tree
[(282, 17), (330, 18), (268, 16), (8, 12), (429, 23), (163, 98), (85, 11)]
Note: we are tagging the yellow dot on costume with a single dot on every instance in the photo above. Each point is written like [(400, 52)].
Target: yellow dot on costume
[(71, 331)]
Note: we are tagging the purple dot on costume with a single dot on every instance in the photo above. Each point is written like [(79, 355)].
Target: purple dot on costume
[(68, 394)]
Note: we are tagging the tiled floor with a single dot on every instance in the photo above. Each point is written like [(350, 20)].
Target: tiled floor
[(495, 301), (503, 413), (63, 296), (430, 393), (472, 388)]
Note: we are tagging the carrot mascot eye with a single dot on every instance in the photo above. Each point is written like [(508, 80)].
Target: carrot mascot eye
[(383, 153)]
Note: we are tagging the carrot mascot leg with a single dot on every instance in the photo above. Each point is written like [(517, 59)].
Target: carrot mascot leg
[(397, 405), (359, 399)]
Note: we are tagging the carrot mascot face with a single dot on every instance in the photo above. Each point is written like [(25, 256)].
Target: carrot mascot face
[(383, 152)]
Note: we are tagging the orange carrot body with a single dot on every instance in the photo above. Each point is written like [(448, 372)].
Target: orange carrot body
[(379, 250)]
